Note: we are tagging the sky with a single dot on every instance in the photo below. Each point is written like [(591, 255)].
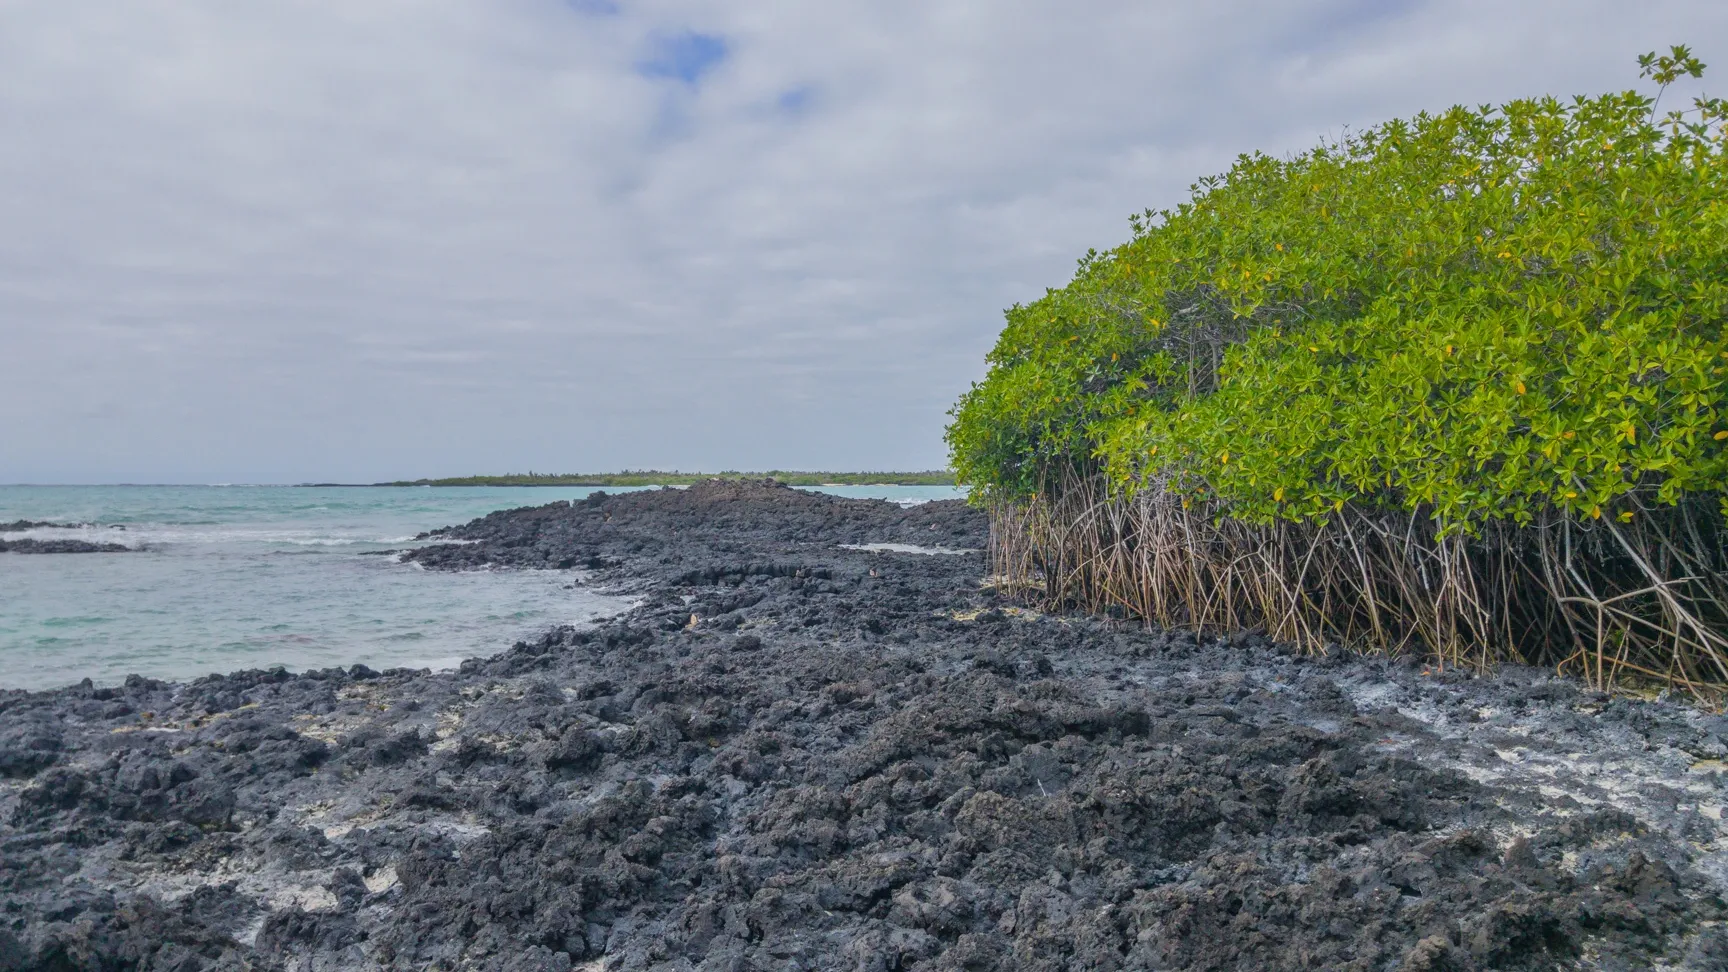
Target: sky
[(328, 240)]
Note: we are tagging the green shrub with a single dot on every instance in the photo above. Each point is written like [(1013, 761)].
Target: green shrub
[(1480, 318)]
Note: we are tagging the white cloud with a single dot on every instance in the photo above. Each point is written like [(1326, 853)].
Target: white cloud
[(321, 240)]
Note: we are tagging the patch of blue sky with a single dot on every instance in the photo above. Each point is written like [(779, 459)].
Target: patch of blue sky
[(598, 8), (795, 101), (685, 56)]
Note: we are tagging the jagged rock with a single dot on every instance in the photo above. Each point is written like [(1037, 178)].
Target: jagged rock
[(793, 755)]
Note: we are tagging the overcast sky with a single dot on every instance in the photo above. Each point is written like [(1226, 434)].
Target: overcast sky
[(351, 240)]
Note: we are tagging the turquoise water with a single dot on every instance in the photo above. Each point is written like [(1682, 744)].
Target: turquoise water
[(232, 577)]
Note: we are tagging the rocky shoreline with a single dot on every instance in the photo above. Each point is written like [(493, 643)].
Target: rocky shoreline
[(794, 753)]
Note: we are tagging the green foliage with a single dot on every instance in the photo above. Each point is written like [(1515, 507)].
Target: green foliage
[(1479, 314), (652, 477)]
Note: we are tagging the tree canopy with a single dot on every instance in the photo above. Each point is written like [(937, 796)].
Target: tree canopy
[(1479, 313)]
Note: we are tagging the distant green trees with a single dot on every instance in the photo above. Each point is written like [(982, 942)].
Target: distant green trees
[(1475, 359)]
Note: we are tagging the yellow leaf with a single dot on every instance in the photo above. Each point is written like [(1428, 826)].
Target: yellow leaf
[(1278, 495), (1595, 512), (1519, 385), (1112, 356), (1571, 495), (1225, 458), (1721, 435), (1570, 435), (1448, 350), (1504, 255), (1313, 348), (1279, 247), (1626, 517)]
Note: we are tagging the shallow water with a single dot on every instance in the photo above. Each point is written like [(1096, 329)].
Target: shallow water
[(906, 548), (232, 577)]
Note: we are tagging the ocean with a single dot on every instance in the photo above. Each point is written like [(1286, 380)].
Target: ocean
[(236, 577)]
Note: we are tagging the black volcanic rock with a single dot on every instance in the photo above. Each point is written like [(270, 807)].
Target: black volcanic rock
[(792, 755), (18, 525), (716, 525), (34, 546)]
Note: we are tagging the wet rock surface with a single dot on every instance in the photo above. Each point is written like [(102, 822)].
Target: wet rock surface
[(794, 755), (30, 545)]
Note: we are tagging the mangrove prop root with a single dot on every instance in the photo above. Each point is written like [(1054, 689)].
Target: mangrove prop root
[(1603, 600)]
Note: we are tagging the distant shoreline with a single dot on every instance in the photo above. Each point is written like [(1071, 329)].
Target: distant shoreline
[(651, 477)]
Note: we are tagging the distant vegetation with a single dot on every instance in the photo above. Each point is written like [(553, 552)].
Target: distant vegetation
[(652, 477), (1453, 385)]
